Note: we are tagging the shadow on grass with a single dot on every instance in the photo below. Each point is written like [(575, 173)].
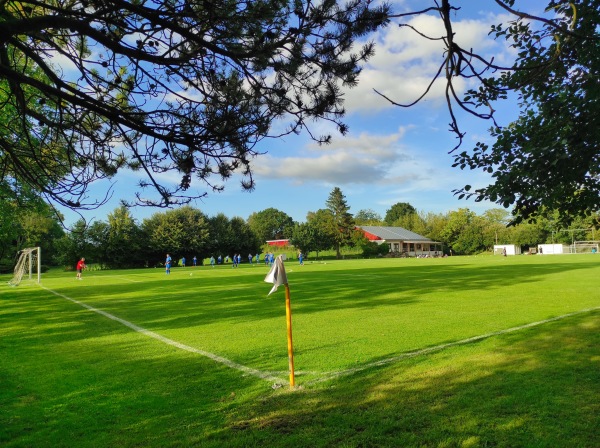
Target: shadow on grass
[(168, 303), (68, 382), (161, 305), (536, 388)]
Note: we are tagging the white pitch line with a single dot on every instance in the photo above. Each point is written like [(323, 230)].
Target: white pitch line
[(171, 342), (121, 276), (331, 375), (440, 347)]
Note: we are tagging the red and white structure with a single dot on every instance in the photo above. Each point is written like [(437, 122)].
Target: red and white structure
[(402, 241)]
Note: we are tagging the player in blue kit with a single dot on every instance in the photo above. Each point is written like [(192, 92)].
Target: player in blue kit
[(168, 264)]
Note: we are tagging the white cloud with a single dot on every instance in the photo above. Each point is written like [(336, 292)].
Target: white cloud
[(366, 158), (405, 62), (390, 163)]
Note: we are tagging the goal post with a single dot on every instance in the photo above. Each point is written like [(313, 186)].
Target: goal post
[(29, 262)]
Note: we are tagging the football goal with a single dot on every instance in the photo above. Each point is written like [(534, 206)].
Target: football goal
[(28, 263), (584, 247)]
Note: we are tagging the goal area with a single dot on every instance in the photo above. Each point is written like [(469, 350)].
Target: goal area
[(29, 263)]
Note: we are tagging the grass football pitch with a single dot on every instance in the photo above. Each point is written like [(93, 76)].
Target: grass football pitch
[(460, 351)]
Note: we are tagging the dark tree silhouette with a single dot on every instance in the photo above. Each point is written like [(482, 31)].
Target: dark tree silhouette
[(91, 87)]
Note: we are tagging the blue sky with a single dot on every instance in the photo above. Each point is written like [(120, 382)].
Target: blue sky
[(390, 154)]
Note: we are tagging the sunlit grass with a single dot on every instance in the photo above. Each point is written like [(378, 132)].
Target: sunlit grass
[(71, 376)]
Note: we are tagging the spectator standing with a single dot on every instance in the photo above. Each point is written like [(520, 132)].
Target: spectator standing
[(80, 267)]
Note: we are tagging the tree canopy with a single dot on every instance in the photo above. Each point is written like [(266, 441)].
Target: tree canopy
[(271, 224), (167, 86), (182, 232), (367, 217), (318, 233), (397, 211), (548, 158)]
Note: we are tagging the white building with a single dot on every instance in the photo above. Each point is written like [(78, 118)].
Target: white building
[(511, 249), (548, 249)]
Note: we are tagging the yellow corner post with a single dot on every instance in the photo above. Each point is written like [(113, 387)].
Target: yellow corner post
[(288, 316)]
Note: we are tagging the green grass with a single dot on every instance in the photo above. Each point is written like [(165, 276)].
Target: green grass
[(70, 376)]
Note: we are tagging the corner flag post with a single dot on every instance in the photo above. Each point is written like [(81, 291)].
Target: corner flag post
[(278, 277), (288, 318)]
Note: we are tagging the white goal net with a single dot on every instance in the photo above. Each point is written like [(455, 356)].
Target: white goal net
[(28, 264)]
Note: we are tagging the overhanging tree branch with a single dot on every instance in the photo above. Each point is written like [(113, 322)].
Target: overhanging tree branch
[(547, 159), (187, 87)]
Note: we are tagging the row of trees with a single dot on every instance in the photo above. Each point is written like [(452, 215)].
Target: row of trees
[(121, 241), (184, 232), (466, 232)]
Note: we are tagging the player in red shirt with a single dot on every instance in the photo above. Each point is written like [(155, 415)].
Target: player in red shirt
[(80, 267)]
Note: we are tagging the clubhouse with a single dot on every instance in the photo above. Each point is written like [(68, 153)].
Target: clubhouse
[(403, 241), (399, 240)]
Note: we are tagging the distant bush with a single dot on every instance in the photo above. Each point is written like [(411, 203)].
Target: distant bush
[(9, 267), (372, 249), (6, 267)]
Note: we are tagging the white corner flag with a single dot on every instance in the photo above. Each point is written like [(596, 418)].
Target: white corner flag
[(276, 275)]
